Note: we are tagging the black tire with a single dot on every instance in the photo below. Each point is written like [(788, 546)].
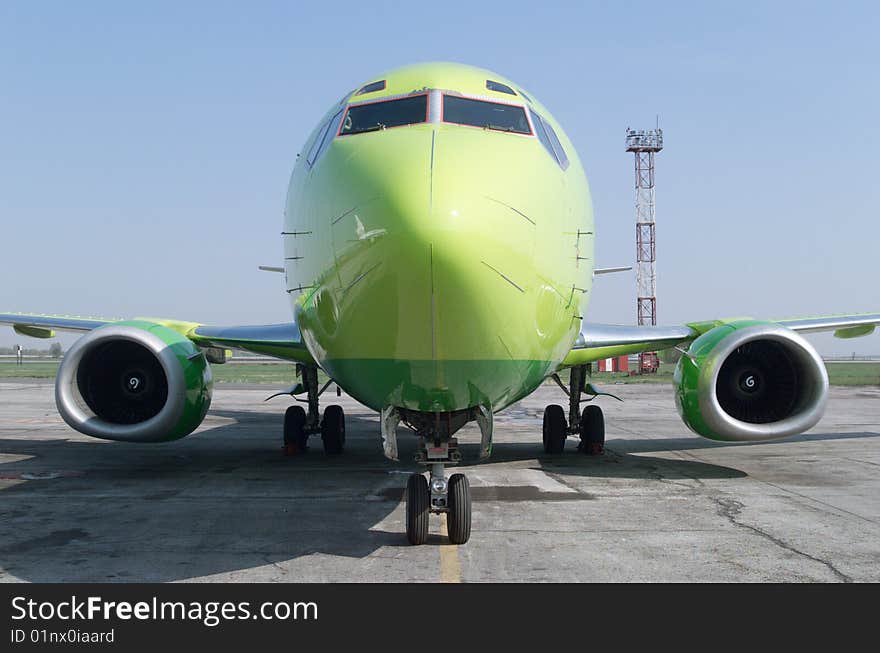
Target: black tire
[(592, 430), (458, 519), (295, 428), (333, 430), (555, 427), (418, 508)]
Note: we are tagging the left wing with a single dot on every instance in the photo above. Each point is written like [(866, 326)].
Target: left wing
[(278, 340), (598, 341), (844, 326)]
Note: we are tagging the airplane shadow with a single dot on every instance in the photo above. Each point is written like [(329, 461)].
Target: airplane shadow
[(225, 500)]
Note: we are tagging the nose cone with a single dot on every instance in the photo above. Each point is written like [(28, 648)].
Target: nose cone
[(434, 302)]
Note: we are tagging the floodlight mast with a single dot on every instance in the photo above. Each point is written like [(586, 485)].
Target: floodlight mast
[(644, 144)]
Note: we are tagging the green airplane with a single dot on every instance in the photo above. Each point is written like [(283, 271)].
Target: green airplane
[(438, 255)]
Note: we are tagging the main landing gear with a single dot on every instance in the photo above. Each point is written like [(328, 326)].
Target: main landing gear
[(299, 425), (437, 449), (589, 425)]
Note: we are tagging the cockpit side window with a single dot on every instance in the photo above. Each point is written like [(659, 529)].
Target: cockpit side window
[(385, 114), (372, 87), (489, 115), (499, 87), (557, 146), (549, 140), (327, 136), (542, 133), (316, 144)]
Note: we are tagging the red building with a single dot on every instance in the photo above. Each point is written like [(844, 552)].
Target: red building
[(617, 364)]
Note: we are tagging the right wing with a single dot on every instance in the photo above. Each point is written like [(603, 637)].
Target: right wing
[(44, 326), (277, 340)]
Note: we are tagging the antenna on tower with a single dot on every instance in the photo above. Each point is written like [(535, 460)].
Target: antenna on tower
[(644, 144)]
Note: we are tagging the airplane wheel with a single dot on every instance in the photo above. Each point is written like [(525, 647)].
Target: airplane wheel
[(333, 430), (555, 426), (295, 436), (418, 506), (458, 519), (593, 431)]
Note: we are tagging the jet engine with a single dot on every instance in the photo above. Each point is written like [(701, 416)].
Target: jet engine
[(134, 381), (750, 381)]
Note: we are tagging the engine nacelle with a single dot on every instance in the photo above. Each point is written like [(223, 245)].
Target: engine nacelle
[(750, 381), (134, 381)]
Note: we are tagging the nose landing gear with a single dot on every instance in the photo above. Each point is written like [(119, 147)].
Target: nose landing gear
[(439, 495), (437, 449)]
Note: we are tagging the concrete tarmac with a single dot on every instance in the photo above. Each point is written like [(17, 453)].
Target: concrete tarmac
[(225, 505)]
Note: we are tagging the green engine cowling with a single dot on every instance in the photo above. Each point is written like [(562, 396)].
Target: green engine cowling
[(134, 381), (750, 381)]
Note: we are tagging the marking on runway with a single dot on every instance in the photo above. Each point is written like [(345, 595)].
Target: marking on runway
[(12, 475), (450, 564)]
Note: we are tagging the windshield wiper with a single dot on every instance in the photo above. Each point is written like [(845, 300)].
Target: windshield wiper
[(499, 128), (371, 128)]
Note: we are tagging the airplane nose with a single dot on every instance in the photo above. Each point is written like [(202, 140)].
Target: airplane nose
[(434, 285)]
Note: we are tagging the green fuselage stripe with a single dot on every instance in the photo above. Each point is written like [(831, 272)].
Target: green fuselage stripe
[(438, 386)]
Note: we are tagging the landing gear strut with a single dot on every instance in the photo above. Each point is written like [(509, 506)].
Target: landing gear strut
[(589, 426), (299, 425)]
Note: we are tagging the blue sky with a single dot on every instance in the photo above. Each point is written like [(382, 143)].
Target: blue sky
[(146, 147)]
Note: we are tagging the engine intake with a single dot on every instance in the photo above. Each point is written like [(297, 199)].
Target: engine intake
[(751, 381), (134, 381)]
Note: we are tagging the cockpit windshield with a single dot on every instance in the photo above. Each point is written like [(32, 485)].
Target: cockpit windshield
[(384, 114), (489, 115)]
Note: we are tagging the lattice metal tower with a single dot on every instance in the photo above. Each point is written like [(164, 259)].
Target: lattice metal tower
[(644, 144)]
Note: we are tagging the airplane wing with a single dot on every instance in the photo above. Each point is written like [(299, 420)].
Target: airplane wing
[(595, 341), (598, 341), (278, 340)]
